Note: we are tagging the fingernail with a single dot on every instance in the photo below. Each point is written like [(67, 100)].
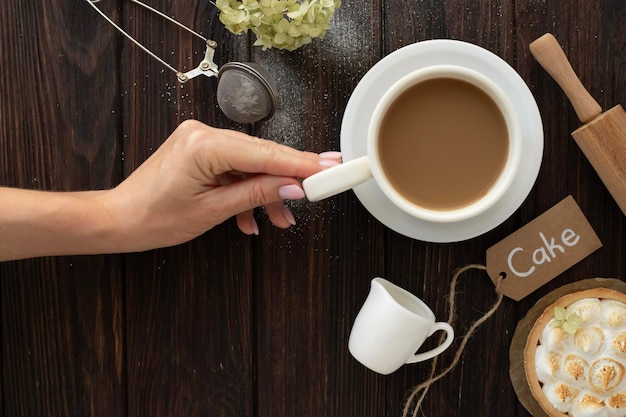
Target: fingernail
[(291, 192), (255, 227), (330, 155), (289, 216), (328, 163)]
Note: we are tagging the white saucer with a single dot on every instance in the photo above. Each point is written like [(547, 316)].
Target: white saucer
[(408, 59)]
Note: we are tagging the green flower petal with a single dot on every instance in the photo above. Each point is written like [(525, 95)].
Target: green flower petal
[(575, 320), (556, 323), (569, 328), (568, 323), (560, 313), (285, 24)]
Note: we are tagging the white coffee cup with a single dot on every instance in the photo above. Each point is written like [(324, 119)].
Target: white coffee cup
[(352, 173), (391, 326)]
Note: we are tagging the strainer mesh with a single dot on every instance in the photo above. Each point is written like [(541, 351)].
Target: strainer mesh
[(243, 97)]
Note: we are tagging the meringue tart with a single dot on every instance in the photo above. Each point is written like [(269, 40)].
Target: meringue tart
[(575, 355)]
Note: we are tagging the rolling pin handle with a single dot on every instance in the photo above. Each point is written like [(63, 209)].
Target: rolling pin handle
[(547, 51)]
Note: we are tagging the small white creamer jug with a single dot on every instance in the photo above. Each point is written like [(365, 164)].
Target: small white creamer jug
[(390, 328)]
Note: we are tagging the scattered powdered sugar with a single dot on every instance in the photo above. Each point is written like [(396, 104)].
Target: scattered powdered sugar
[(347, 37), (314, 85)]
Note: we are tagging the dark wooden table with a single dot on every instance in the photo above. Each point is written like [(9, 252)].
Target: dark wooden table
[(231, 325)]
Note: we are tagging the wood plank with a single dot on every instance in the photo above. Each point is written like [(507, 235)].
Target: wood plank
[(62, 327), (579, 29), (189, 308), (189, 329), (313, 277), (426, 269)]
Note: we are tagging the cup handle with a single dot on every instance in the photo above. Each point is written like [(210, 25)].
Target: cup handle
[(439, 349), (337, 179)]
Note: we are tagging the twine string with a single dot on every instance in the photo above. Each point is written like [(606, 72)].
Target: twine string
[(422, 389)]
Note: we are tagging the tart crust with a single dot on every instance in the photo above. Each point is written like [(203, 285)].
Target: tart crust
[(535, 333)]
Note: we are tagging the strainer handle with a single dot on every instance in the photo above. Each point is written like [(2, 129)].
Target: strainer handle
[(207, 66), (337, 179)]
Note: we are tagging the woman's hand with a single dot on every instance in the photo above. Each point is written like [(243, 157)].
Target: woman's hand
[(202, 176), (198, 178)]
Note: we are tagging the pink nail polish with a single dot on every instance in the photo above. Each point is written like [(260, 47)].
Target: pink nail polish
[(291, 192), (255, 227), (289, 216), (328, 162), (330, 155)]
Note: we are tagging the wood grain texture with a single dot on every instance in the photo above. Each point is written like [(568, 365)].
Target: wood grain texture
[(603, 142), (190, 339), (230, 325), (62, 318), (547, 51)]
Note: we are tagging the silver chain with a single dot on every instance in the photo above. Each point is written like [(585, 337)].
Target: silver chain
[(207, 66)]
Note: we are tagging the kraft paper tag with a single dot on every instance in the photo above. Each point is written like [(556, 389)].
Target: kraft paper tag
[(541, 250)]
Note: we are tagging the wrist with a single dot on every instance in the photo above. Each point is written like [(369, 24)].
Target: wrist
[(120, 220), (39, 223)]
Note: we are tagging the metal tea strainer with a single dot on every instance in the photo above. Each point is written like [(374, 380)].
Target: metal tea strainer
[(246, 92)]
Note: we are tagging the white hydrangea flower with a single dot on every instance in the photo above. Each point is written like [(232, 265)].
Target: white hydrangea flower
[(283, 24)]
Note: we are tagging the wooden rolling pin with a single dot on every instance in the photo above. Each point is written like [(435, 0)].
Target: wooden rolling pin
[(602, 138)]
